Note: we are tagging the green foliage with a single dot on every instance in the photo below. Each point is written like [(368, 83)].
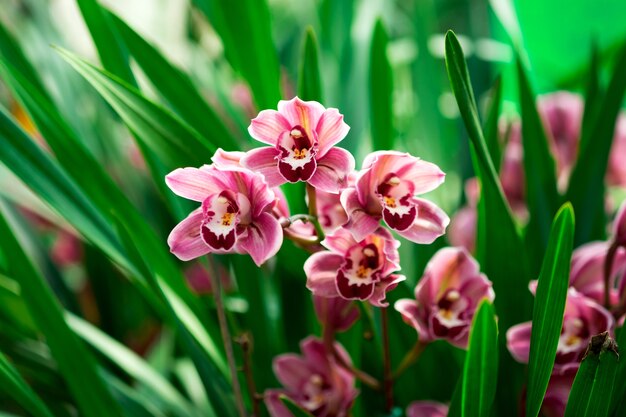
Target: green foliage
[(381, 90)]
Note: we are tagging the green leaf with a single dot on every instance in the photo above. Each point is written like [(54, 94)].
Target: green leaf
[(75, 363), (248, 22), (12, 383), (549, 308), (295, 409), (480, 371), (586, 186), (595, 380), (619, 396), (162, 392), (593, 94), (171, 139), (541, 188), (309, 80), (491, 124), (176, 87), (112, 53), (381, 90), (496, 245)]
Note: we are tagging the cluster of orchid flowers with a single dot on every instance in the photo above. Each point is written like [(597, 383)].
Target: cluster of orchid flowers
[(355, 257)]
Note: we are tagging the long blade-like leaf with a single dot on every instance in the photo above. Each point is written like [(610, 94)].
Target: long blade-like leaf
[(309, 80), (381, 90), (75, 363), (491, 124), (12, 383), (549, 308), (480, 372)]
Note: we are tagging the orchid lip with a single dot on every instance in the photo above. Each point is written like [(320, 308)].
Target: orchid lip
[(221, 218)]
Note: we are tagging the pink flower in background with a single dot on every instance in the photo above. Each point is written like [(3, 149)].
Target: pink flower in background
[(314, 381), (336, 313), (616, 174), (67, 249), (355, 270), (386, 188), (198, 278), (426, 409), (583, 319), (301, 135), (619, 224), (555, 400), (235, 216), (587, 270), (446, 297)]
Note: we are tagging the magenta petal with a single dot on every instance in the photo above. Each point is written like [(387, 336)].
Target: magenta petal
[(353, 292), (185, 241), (321, 273), (268, 126), (274, 405), (430, 223), (410, 314), (340, 241), (619, 225), (227, 159), (192, 183), (264, 238), (292, 371), (425, 176), (264, 161), (332, 171), (331, 129), (426, 409), (518, 341), (303, 113), (382, 287), (360, 223)]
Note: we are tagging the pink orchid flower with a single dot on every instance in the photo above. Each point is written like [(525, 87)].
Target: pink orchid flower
[(386, 188), (314, 381), (301, 135), (336, 313), (426, 409), (616, 172), (446, 297), (235, 216), (355, 270), (583, 319), (587, 271)]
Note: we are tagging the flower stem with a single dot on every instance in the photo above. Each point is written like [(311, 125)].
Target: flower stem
[(245, 341), (228, 346), (388, 377), (410, 358), (608, 266), (312, 196), (362, 376)]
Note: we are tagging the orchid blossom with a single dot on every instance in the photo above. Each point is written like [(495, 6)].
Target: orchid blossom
[(301, 135)]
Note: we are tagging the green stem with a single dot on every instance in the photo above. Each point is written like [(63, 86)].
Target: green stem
[(388, 376), (410, 358), (608, 266)]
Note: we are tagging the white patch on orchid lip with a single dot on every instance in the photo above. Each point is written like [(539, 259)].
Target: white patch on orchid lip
[(570, 341), (314, 391), (449, 318), (298, 158), (223, 221)]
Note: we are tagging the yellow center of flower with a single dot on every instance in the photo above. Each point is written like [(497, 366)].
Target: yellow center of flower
[(572, 340), (227, 219), (362, 272), (390, 201), (300, 153)]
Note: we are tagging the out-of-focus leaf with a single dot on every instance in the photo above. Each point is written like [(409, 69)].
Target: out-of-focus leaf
[(12, 383), (171, 139), (194, 339), (162, 392), (480, 371), (248, 22), (176, 87), (549, 308), (75, 363), (541, 189), (133, 402), (586, 185), (593, 94), (110, 48), (496, 246), (295, 409), (381, 90), (595, 380), (491, 124), (309, 80), (618, 403)]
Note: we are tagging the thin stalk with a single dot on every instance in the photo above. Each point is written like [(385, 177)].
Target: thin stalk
[(362, 376), (410, 358), (608, 266), (388, 376), (228, 346), (245, 341), (312, 197)]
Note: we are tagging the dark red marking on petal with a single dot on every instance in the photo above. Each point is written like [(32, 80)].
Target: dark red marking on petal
[(399, 222), (298, 174), (224, 242), (353, 292)]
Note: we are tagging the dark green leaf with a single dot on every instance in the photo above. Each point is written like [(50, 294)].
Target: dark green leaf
[(541, 189), (549, 308), (12, 383), (619, 395), (595, 380), (75, 363), (176, 87), (171, 139), (593, 94), (309, 80), (480, 371), (295, 409), (491, 124), (381, 90), (248, 22), (586, 186)]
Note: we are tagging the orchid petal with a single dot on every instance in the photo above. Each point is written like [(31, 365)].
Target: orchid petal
[(321, 272), (185, 241), (264, 161), (291, 370), (264, 238), (518, 341), (301, 113), (360, 223), (430, 223), (268, 126), (331, 129), (332, 171), (382, 287), (192, 183)]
